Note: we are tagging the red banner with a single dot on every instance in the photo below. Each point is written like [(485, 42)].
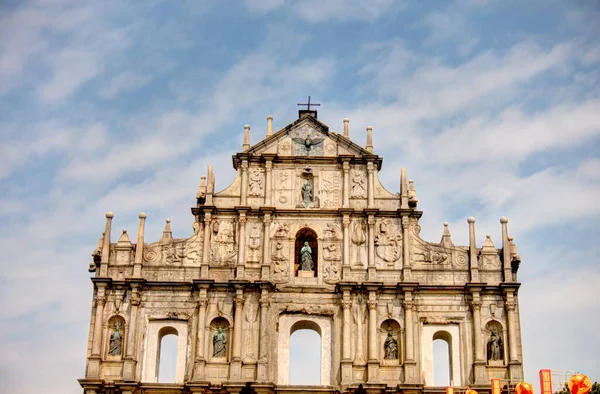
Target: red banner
[(496, 388), (545, 381)]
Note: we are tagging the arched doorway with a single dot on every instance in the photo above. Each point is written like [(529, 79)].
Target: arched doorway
[(306, 236), (305, 353)]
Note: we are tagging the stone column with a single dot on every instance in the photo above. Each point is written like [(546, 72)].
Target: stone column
[(346, 193), (241, 264), (106, 246), (95, 358), (263, 345), (268, 177), (265, 272), (370, 185), (200, 360), (372, 270), (139, 248), (346, 338), (130, 357), (410, 365), (244, 187), (373, 360), (406, 267), (346, 254), (235, 371), (206, 246)]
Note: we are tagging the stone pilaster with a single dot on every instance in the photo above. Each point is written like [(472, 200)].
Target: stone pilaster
[(411, 375), (235, 368), (200, 360), (372, 270), (95, 359), (268, 181), (346, 338), (346, 193), (514, 362), (206, 246), (406, 266), (244, 187), (346, 248), (130, 359), (479, 373), (373, 360), (265, 272), (370, 185), (263, 345), (241, 263), (506, 260)]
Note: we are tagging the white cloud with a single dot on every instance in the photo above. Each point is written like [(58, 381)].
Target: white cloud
[(124, 82)]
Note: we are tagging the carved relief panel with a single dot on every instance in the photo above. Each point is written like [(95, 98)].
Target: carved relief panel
[(223, 243), (283, 187), (388, 243), (330, 189), (358, 246), (253, 253), (256, 182)]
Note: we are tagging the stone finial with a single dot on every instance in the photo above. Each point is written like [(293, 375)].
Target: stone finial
[(167, 236), (124, 240), (470, 219), (446, 237), (488, 244), (503, 220), (246, 144), (403, 189), (201, 193), (412, 193), (269, 125), (110, 215), (142, 215), (369, 146), (346, 128)]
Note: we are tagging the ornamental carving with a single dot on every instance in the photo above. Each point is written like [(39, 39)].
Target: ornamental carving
[(358, 188), (280, 261), (256, 183), (330, 190), (388, 243), (254, 244), (223, 245)]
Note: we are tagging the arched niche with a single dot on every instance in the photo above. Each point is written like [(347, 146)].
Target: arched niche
[(219, 339), (306, 236), (494, 339), (115, 338), (389, 342)]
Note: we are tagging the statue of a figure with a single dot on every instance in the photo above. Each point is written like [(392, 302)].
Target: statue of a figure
[(219, 341), (495, 349), (307, 192), (116, 341), (391, 347), (306, 261)]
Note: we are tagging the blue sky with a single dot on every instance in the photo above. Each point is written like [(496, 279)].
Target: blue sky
[(492, 106)]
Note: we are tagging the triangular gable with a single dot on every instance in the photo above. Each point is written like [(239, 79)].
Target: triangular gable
[(299, 130)]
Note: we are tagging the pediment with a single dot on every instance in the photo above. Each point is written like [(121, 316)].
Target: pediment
[(304, 137)]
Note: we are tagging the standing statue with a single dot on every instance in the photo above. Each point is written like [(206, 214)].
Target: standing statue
[(306, 261), (391, 347), (116, 341), (307, 193), (495, 350), (219, 341)]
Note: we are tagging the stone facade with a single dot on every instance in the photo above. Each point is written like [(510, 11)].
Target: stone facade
[(306, 236)]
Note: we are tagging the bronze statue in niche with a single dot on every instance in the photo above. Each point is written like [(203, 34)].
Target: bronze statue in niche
[(495, 349), (390, 347), (116, 341), (219, 342), (306, 251)]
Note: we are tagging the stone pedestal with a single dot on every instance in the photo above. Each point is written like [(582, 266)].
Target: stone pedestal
[(306, 274)]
